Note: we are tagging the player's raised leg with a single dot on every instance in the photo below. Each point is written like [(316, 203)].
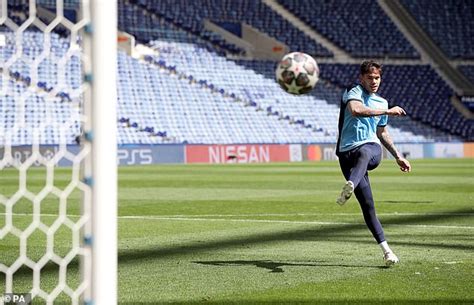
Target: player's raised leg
[(355, 165)]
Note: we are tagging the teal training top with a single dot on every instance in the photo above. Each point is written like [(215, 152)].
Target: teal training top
[(355, 131)]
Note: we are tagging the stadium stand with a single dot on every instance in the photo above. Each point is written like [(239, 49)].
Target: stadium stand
[(449, 23), (135, 18), (29, 99), (359, 27), (152, 110), (254, 13), (468, 71), (176, 96), (192, 111), (255, 83)]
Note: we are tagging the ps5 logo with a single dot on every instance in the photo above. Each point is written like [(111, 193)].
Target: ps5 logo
[(134, 156)]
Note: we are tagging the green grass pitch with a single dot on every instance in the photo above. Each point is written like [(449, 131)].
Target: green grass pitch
[(272, 234)]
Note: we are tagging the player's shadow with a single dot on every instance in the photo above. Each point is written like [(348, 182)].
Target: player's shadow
[(276, 267), (311, 233)]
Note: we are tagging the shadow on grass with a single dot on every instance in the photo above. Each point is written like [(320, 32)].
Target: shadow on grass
[(405, 201), (315, 233), (442, 241), (276, 267), (417, 244)]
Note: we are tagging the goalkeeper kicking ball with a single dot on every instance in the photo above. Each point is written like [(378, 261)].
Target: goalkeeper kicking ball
[(297, 73)]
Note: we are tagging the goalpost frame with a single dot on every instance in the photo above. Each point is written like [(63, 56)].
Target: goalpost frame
[(104, 151), (97, 94)]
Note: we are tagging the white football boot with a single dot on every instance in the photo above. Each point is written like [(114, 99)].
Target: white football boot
[(346, 193), (390, 259)]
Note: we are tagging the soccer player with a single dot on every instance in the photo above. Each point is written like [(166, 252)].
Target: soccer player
[(362, 127)]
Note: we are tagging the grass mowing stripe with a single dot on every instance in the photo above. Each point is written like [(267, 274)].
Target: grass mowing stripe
[(315, 214), (269, 214), (288, 221), (174, 217)]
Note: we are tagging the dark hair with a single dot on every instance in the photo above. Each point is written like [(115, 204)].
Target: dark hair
[(368, 65)]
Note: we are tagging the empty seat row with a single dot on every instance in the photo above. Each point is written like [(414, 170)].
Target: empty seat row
[(347, 22)]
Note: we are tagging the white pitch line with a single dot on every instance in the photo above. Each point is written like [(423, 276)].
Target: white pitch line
[(178, 218), (237, 220), (285, 221), (320, 214), (278, 214)]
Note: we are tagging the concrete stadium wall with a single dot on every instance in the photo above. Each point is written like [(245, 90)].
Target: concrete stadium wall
[(238, 153)]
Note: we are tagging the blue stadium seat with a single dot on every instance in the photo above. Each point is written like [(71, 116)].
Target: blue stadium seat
[(133, 19), (347, 22), (468, 71), (449, 23), (36, 110)]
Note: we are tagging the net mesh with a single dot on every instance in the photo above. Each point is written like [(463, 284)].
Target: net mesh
[(45, 197)]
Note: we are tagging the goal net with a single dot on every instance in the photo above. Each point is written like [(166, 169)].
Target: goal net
[(58, 151)]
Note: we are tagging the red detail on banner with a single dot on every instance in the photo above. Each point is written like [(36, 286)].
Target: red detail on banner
[(277, 49), (237, 153), (122, 39), (469, 150), (314, 153)]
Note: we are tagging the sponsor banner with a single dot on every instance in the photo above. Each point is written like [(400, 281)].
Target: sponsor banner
[(63, 155), (312, 153), (319, 152), (428, 150), (448, 150), (150, 154), (409, 151), (245, 153), (126, 154), (296, 153), (328, 152), (469, 150), (250, 153)]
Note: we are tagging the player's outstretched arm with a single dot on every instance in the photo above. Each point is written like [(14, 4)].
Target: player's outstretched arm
[(386, 140), (359, 110), (396, 111)]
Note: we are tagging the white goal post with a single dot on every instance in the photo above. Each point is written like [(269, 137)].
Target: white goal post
[(58, 122), (104, 151)]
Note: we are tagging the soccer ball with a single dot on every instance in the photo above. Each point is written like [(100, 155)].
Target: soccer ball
[(297, 73)]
